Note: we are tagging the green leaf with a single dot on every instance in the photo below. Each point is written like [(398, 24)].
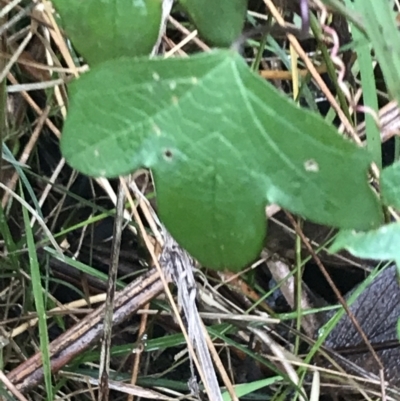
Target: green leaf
[(398, 329), (247, 388), (380, 24), (390, 185), (218, 22), (380, 244), (107, 29), (222, 144), (38, 291)]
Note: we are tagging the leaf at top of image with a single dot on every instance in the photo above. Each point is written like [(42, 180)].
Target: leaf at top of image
[(107, 29), (218, 22), (222, 144)]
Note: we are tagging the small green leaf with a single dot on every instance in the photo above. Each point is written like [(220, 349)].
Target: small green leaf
[(247, 388), (107, 29), (390, 185), (218, 22), (222, 144), (380, 244)]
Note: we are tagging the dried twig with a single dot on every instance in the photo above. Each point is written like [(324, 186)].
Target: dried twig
[(89, 330)]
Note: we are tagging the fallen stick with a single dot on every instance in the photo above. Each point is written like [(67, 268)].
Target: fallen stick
[(89, 330)]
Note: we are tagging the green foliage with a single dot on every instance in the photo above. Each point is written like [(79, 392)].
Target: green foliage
[(216, 164), (380, 244), (218, 22), (221, 142), (244, 389), (390, 185), (107, 29), (381, 28), (38, 291)]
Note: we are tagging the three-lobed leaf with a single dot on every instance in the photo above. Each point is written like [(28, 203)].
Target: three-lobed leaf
[(222, 144), (108, 29)]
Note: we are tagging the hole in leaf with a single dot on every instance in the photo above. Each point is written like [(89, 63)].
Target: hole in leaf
[(168, 155)]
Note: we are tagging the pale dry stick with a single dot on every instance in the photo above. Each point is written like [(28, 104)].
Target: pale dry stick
[(258, 15), (119, 386), (232, 276), (294, 71), (315, 386), (174, 307), (179, 266), (17, 17), (151, 217), (49, 185), (38, 218), (47, 12), (35, 107), (9, 288), (148, 212), (15, 56), (282, 274), (182, 43), (95, 299), (171, 44), (313, 71), (14, 38), (6, 9), (339, 374), (43, 67), (35, 86), (218, 363), (341, 128), (26, 153), (105, 356), (186, 32), (105, 184), (55, 212), (50, 62), (282, 355), (75, 256), (11, 388), (138, 354), (271, 210)]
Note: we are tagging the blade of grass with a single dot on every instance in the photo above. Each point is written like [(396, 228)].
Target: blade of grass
[(39, 302), (8, 240), (365, 63), (247, 388), (381, 27), (81, 266), (7, 154)]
